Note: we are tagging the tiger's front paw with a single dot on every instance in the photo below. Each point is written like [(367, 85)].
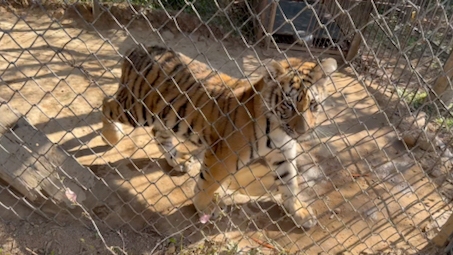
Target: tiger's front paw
[(185, 164), (303, 215), (207, 209), (209, 215)]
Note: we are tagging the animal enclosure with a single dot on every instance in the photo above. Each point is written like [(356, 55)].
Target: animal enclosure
[(376, 171)]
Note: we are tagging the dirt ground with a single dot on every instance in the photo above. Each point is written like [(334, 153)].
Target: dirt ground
[(143, 207)]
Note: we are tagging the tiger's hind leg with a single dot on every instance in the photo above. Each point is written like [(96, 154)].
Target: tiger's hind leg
[(179, 160), (210, 179), (286, 175)]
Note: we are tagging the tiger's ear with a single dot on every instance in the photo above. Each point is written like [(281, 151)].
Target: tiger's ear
[(274, 69), (329, 65)]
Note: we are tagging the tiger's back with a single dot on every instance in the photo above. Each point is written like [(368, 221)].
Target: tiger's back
[(163, 84)]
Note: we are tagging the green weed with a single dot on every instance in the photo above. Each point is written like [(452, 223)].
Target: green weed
[(413, 99), (444, 122)]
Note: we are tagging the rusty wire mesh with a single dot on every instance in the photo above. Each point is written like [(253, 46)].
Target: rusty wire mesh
[(377, 171)]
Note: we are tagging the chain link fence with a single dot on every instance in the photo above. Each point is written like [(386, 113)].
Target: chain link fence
[(376, 170)]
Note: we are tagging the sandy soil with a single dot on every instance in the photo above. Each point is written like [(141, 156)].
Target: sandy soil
[(140, 204)]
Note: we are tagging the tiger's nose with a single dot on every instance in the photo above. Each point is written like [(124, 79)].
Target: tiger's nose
[(301, 128), (306, 122)]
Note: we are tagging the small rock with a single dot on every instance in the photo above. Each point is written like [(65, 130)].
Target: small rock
[(171, 249), (441, 168), (12, 227), (410, 138), (426, 141), (447, 163), (168, 35), (436, 172), (424, 227)]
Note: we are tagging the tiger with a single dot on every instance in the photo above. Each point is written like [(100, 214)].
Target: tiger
[(231, 122)]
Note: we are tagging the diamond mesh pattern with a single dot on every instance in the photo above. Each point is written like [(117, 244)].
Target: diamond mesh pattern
[(376, 170)]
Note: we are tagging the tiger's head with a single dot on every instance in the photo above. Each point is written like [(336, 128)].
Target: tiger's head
[(294, 92)]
